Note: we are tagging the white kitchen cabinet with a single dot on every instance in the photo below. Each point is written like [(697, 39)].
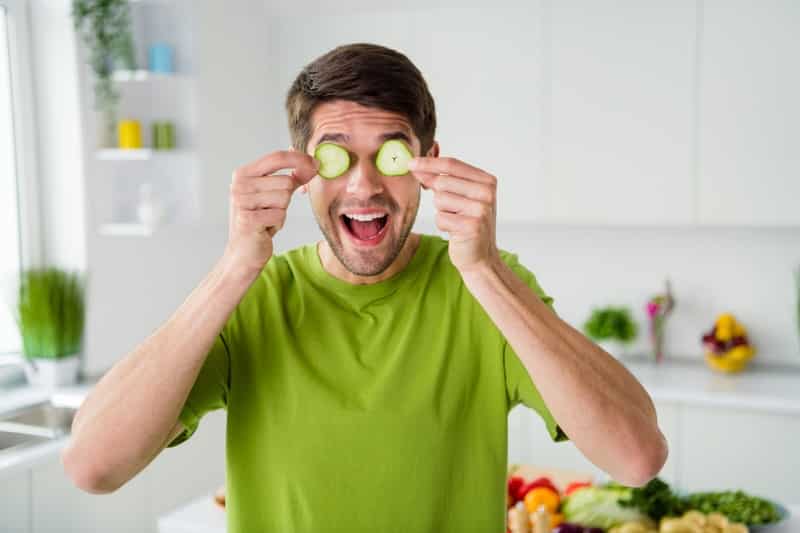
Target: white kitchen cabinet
[(192, 469), (529, 443), (59, 507), (618, 112), (15, 502), (755, 451), (749, 122), (175, 477)]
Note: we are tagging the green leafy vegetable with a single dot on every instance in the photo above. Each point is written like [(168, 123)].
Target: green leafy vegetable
[(736, 505), (611, 323), (600, 507), (656, 500)]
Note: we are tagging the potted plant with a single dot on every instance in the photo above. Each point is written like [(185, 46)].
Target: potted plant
[(50, 315), (105, 28), (612, 328)]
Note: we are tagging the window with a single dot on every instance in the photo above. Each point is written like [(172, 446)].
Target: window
[(13, 29)]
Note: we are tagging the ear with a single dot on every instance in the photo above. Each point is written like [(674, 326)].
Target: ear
[(434, 150)]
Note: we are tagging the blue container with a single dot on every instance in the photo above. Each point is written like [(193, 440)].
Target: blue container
[(161, 58)]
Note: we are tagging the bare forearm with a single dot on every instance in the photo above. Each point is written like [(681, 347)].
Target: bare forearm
[(128, 417), (599, 404)]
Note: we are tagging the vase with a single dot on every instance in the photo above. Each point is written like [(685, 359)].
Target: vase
[(51, 372)]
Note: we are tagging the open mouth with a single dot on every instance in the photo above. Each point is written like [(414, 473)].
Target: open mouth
[(365, 228)]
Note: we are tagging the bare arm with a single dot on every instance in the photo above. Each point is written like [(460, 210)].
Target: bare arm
[(132, 413), (596, 401), (601, 407)]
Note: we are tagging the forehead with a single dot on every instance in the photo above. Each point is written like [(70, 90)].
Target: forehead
[(355, 120)]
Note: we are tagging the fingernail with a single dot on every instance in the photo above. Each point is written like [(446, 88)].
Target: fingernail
[(412, 164)]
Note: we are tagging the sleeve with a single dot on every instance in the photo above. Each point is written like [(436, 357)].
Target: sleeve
[(209, 392), (520, 388)]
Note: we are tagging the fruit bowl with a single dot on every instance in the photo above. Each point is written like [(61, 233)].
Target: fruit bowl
[(727, 348)]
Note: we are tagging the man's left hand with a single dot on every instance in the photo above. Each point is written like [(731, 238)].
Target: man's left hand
[(466, 203)]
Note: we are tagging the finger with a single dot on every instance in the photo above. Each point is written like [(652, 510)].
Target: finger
[(482, 192), (454, 203), (263, 200), (458, 224), (450, 166), (275, 182), (304, 166), (259, 219)]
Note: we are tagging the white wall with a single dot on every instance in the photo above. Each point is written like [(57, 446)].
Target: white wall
[(488, 71), (247, 56), (59, 149)]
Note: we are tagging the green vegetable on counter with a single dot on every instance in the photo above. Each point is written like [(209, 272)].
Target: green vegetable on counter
[(656, 500), (600, 507), (611, 323), (736, 505)]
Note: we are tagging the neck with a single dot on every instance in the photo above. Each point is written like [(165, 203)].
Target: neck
[(335, 268)]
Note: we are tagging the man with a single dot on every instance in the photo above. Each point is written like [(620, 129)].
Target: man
[(367, 378)]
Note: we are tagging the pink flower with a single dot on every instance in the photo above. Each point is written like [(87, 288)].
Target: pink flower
[(653, 308)]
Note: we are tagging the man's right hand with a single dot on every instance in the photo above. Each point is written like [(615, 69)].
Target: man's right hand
[(258, 202)]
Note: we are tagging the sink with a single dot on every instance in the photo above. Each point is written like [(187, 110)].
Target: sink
[(14, 441), (45, 419)]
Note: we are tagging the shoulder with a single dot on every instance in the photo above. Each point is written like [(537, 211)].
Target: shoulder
[(512, 260), (288, 265), (279, 274)]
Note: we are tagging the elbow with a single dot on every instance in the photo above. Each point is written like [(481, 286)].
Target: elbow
[(85, 474), (650, 459)]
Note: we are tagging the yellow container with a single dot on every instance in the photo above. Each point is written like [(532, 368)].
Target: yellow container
[(130, 134)]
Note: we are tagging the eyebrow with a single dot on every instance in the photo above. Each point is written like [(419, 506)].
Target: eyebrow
[(342, 138)]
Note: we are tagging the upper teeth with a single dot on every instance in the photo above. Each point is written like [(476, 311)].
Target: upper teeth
[(364, 218)]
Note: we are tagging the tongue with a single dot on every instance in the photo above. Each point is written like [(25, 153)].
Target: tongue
[(365, 230)]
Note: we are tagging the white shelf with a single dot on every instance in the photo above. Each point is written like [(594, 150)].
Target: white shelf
[(124, 153), (142, 75), (132, 229), (138, 154)]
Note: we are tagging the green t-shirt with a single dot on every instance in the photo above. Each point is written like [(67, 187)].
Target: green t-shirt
[(365, 408)]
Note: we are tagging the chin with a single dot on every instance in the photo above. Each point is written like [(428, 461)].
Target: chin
[(367, 241)]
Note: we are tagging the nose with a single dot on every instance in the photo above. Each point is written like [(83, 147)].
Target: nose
[(364, 181)]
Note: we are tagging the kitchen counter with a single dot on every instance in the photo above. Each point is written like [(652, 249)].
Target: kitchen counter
[(205, 516), (770, 389), (200, 516), (72, 396), (775, 390)]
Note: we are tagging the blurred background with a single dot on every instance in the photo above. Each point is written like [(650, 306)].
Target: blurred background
[(647, 153)]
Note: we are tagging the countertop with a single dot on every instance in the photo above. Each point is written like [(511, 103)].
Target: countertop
[(71, 396), (205, 516), (774, 389)]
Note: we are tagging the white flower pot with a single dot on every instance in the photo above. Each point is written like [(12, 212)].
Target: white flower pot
[(53, 372)]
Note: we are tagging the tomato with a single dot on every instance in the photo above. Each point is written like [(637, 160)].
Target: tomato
[(572, 487), (538, 482)]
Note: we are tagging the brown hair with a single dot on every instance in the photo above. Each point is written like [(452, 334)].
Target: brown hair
[(369, 75)]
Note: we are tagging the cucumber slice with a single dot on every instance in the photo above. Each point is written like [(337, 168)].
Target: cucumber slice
[(393, 158), (334, 160)]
